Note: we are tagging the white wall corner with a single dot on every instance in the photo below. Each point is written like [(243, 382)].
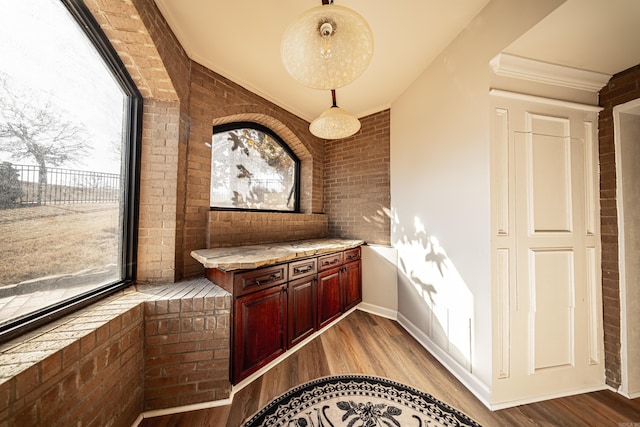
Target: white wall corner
[(479, 389), (379, 279), (506, 65)]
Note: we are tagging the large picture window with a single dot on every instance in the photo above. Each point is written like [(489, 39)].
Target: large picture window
[(252, 169), (69, 125)]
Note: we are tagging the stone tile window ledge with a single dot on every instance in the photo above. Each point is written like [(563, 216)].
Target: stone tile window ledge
[(145, 348)]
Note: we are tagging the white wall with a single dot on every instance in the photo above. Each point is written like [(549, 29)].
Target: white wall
[(379, 280), (440, 193), (628, 159)]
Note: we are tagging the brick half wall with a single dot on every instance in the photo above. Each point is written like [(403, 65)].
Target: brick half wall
[(148, 347)]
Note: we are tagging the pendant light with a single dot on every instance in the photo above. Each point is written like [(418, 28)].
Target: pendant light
[(327, 47), (334, 123)]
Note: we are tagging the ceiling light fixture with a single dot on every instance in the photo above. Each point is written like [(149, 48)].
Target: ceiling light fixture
[(327, 47), (334, 123)]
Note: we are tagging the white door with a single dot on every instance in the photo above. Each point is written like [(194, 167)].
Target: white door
[(548, 292)]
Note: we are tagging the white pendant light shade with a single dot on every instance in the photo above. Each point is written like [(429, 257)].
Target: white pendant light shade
[(334, 123), (327, 47)]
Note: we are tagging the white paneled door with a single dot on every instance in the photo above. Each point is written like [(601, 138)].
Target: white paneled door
[(547, 292)]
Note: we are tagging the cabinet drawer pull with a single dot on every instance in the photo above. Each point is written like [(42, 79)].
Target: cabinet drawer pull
[(299, 270), (267, 281), (335, 260)]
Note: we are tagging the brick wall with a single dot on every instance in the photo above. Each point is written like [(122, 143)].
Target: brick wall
[(216, 100), (161, 70), (157, 226), (187, 348), (149, 347), (83, 371), (229, 228), (357, 182), (623, 87)]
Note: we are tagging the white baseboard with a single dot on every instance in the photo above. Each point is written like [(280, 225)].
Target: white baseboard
[(534, 399), (472, 383), (378, 311), (138, 420), (630, 396), (185, 408)]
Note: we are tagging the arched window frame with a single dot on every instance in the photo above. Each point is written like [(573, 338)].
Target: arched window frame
[(266, 130)]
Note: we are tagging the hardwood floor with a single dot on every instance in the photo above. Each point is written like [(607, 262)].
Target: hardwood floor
[(367, 344)]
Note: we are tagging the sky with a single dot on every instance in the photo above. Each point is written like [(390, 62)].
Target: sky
[(44, 51)]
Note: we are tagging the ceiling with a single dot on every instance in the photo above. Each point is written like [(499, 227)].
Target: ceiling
[(240, 40)]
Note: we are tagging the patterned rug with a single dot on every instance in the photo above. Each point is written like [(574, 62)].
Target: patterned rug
[(357, 401)]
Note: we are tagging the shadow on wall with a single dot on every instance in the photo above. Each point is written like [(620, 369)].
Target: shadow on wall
[(379, 217), (432, 295)]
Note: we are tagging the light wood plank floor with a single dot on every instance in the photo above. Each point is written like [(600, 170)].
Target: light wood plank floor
[(367, 344)]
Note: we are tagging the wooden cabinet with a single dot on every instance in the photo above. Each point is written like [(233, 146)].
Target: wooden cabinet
[(259, 330), (302, 296), (352, 277), (302, 309), (339, 288), (278, 306), (329, 296)]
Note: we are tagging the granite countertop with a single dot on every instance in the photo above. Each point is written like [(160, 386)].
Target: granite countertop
[(254, 256)]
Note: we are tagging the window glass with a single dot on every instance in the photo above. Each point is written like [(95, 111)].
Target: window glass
[(252, 169), (64, 137)]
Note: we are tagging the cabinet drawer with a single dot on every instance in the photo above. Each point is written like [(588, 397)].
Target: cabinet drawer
[(351, 255), (329, 261), (303, 268), (253, 280)]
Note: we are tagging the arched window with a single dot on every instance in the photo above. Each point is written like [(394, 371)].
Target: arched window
[(70, 122), (253, 169)]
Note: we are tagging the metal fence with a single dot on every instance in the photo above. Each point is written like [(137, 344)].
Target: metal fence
[(24, 185)]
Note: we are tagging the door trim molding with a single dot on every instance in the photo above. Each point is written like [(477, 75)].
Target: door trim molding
[(543, 100)]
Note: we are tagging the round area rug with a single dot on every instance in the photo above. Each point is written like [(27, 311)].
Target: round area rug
[(357, 401)]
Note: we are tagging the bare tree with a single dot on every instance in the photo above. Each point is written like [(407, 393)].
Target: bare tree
[(34, 129)]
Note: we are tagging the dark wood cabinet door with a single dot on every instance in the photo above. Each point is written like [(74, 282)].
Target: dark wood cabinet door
[(260, 330), (302, 309), (329, 296), (352, 275)]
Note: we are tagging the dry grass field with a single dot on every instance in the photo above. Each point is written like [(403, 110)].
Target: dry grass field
[(52, 240)]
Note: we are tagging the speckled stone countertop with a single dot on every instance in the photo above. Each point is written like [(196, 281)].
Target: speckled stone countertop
[(255, 256)]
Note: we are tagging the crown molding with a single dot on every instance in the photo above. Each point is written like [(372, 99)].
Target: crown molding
[(542, 72)]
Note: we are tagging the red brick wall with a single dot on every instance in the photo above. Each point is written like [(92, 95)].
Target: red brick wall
[(153, 347), (229, 228), (187, 354), (95, 379), (622, 87), (216, 100), (357, 182), (161, 70)]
